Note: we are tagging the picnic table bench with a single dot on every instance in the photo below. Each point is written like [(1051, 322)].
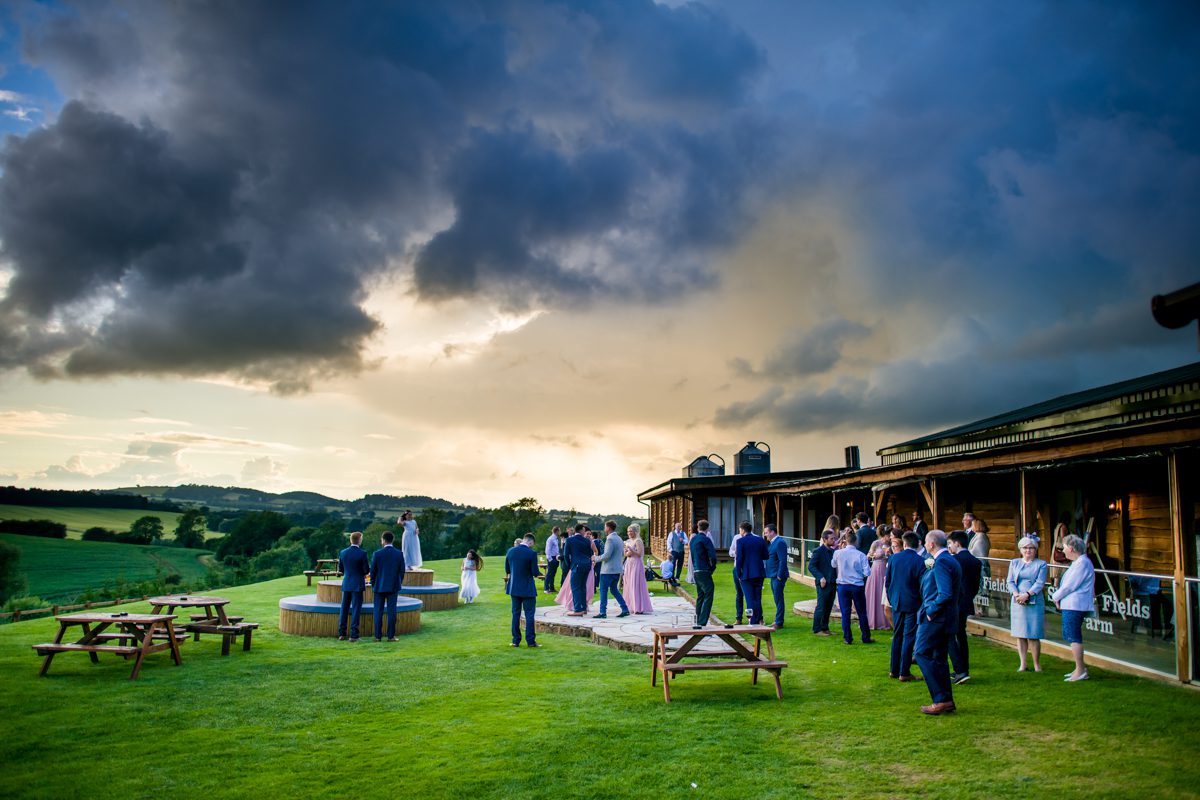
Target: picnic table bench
[(738, 652), (214, 620), (146, 633), (324, 571)]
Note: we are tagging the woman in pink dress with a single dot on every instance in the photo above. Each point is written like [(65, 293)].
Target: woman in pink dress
[(564, 598), (878, 554), (637, 595)]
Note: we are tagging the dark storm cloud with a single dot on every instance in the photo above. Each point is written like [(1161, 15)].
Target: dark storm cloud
[(227, 177)]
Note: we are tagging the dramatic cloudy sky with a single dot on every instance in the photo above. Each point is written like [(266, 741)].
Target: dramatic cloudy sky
[(496, 248)]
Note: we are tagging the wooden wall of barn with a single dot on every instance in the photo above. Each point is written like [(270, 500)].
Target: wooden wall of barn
[(664, 513)]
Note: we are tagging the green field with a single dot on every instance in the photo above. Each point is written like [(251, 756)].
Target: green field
[(79, 520), (453, 711), (58, 569)]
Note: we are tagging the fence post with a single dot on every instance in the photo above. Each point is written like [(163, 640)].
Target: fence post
[(16, 615)]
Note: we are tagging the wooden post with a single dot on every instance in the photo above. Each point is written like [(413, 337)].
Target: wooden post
[(1182, 630), (1027, 506), (930, 493), (803, 519)]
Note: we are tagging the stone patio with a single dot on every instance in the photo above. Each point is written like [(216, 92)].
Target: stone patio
[(632, 633)]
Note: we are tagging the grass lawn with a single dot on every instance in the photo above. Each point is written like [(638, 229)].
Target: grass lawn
[(60, 568), (79, 520), (454, 712)]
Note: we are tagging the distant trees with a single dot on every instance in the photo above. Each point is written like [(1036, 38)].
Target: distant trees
[(145, 530), (189, 531), (12, 580), (254, 533), (34, 527)]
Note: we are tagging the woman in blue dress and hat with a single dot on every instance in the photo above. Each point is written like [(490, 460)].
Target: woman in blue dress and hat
[(1026, 580)]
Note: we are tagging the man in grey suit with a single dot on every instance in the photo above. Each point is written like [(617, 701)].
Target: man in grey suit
[(610, 570)]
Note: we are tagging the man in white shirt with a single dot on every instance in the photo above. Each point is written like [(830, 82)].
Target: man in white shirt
[(676, 545), (552, 554), (852, 567)]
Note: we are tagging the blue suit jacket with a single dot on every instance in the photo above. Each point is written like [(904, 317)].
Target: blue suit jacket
[(521, 565), (355, 566), (578, 550), (387, 570), (704, 553), (750, 557), (972, 571), (820, 565), (777, 563), (904, 572), (940, 591)]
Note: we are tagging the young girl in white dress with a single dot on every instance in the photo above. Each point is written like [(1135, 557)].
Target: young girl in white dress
[(469, 579)]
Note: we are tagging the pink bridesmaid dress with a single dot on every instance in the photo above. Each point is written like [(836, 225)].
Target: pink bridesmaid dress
[(874, 587), (637, 594), (564, 599)]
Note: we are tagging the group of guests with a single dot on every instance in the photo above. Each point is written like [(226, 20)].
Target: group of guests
[(611, 565), (922, 584)]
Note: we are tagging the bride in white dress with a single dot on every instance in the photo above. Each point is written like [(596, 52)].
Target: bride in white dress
[(410, 544), (469, 580)]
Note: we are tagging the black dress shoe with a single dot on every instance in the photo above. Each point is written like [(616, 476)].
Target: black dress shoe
[(623, 614), (534, 644), (599, 616), (514, 644)]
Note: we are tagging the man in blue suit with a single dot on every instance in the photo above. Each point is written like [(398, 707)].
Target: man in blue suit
[(520, 568), (750, 565), (579, 556), (972, 572), (820, 566), (354, 565), (704, 562), (387, 576), (903, 586), (777, 569), (940, 587)]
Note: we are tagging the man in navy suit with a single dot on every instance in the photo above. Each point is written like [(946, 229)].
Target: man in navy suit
[(938, 617), (750, 565), (777, 569), (579, 556), (354, 565), (820, 566), (903, 586), (972, 571), (387, 576), (704, 561), (739, 591), (520, 568)]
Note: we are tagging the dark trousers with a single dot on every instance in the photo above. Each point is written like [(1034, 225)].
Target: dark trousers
[(579, 576), (752, 587), (704, 596), (824, 606), (959, 657), (904, 636), (739, 601), (777, 586), (848, 595), (930, 651), (524, 605), (677, 568), (608, 583), (352, 607), (388, 599), (551, 571)]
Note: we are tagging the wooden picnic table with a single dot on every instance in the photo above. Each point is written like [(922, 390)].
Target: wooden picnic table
[(739, 653), (214, 620), (324, 571), (151, 632)]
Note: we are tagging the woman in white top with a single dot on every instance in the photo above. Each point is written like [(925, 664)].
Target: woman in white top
[(1075, 597), (470, 577)]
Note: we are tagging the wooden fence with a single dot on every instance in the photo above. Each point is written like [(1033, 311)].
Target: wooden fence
[(17, 616)]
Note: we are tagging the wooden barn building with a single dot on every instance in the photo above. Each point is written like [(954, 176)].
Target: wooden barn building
[(1119, 465)]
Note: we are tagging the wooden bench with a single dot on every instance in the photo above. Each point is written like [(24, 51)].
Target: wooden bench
[(228, 633), (204, 618), (48, 648), (121, 638), (666, 584)]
